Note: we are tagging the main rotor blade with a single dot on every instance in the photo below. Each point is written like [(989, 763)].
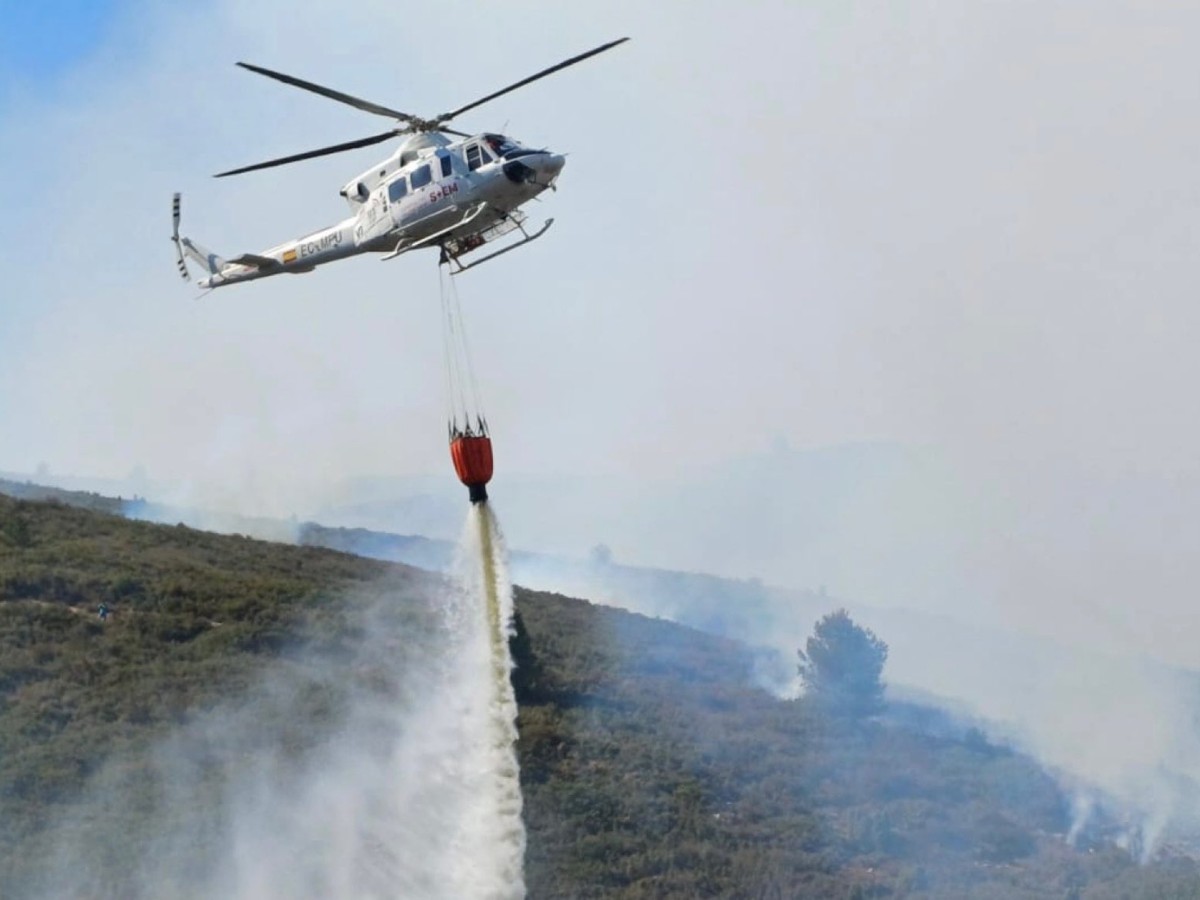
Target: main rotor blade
[(446, 117), (324, 151), (356, 102)]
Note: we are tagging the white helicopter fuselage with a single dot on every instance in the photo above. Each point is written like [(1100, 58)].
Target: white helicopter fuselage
[(456, 195)]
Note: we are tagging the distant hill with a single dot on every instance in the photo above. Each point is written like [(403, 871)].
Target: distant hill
[(726, 607), (27, 490), (651, 764)]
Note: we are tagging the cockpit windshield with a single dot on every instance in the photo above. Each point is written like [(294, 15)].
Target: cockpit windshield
[(500, 145)]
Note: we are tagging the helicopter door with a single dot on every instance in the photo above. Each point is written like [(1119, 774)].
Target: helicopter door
[(397, 193), (420, 179), (447, 179), (412, 205)]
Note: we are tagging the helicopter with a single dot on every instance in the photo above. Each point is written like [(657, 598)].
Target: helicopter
[(456, 195)]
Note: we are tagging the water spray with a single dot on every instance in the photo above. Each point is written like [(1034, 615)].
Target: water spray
[(471, 453)]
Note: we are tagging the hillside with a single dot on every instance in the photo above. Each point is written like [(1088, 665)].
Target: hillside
[(745, 610), (27, 490), (651, 765)]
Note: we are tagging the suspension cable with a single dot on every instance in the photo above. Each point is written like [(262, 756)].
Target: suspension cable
[(462, 388)]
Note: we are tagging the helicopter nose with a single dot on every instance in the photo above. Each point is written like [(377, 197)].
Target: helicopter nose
[(540, 168), (548, 167)]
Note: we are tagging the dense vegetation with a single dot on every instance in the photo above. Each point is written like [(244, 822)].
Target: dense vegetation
[(27, 490), (651, 769), (651, 766)]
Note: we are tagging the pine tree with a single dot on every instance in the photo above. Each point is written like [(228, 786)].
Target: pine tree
[(841, 666)]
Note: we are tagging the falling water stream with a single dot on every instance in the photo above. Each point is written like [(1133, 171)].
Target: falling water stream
[(482, 572)]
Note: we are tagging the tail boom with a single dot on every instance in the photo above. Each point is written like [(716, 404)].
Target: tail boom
[(294, 257)]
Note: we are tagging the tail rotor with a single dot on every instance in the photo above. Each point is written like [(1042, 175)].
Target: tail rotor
[(183, 269)]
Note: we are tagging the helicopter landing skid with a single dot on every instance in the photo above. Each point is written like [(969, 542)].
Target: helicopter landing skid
[(529, 238)]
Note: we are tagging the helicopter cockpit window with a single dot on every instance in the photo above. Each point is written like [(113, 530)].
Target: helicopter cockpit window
[(421, 177), (499, 144), (397, 189)]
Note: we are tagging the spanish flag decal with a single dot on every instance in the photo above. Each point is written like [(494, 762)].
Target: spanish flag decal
[(289, 255)]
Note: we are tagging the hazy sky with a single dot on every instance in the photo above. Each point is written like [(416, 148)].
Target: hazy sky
[(966, 229)]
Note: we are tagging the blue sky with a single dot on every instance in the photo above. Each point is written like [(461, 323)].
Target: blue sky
[(43, 39)]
